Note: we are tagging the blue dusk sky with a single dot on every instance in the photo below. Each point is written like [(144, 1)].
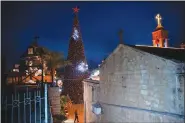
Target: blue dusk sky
[(99, 23)]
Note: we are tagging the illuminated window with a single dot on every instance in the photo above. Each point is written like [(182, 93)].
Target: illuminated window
[(30, 50), (26, 62), (15, 70), (157, 42)]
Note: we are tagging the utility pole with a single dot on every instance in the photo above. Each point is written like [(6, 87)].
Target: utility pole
[(45, 92)]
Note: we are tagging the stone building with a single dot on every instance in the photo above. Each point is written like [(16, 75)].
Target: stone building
[(139, 84), (91, 91)]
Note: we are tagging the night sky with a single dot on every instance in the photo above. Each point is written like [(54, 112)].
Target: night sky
[(99, 22)]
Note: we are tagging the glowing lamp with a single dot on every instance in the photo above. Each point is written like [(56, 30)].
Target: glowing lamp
[(96, 109), (60, 90), (59, 83)]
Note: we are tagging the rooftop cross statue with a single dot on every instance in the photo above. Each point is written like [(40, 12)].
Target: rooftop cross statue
[(121, 36), (158, 18)]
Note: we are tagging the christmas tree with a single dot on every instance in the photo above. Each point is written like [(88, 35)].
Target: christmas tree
[(75, 73)]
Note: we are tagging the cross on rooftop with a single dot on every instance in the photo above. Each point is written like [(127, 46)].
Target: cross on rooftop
[(158, 18)]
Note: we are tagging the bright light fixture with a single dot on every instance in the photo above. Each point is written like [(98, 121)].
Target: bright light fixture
[(60, 90), (95, 75)]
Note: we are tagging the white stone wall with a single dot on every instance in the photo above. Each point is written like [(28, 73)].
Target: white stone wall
[(118, 115), (133, 78), (89, 99)]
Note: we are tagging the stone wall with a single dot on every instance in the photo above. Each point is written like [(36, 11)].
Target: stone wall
[(118, 114), (90, 97), (132, 78)]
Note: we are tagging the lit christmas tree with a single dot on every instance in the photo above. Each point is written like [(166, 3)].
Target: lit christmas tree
[(75, 73)]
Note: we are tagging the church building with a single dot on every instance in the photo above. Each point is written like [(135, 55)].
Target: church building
[(139, 83), (28, 70)]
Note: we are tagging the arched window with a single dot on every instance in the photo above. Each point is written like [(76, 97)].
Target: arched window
[(157, 42), (30, 50), (165, 42)]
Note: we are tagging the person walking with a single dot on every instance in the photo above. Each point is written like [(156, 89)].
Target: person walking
[(76, 117)]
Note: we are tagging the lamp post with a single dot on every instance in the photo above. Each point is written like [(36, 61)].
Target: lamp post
[(45, 94), (46, 102)]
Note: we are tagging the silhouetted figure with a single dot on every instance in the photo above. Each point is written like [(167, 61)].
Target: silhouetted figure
[(76, 117)]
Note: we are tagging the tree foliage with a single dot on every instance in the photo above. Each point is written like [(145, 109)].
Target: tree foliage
[(63, 103), (54, 60)]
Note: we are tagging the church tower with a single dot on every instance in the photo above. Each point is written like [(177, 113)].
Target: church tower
[(75, 73), (160, 36)]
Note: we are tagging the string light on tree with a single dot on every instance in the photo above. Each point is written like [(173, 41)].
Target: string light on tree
[(75, 73), (82, 67), (75, 34)]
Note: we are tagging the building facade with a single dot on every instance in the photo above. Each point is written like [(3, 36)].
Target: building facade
[(91, 91), (136, 86), (139, 84), (31, 68)]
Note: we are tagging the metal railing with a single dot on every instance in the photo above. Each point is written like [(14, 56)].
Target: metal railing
[(27, 106)]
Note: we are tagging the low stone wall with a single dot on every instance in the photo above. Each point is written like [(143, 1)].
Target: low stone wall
[(54, 99), (113, 113)]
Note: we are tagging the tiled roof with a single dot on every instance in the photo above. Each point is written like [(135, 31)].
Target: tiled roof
[(168, 53)]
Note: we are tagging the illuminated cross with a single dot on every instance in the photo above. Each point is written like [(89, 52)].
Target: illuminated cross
[(158, 18), (76, 9)]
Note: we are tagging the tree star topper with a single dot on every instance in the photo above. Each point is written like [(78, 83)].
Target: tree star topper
[(158, 18), (76, 9)]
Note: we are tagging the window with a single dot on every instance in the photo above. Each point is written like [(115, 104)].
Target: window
[(16, 65), (30, 50), (165, 43), (15, 70)]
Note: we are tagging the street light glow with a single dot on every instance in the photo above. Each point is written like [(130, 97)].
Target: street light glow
[(60, 90)]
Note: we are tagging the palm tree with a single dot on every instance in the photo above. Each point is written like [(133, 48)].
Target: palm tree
[(55, 60)]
